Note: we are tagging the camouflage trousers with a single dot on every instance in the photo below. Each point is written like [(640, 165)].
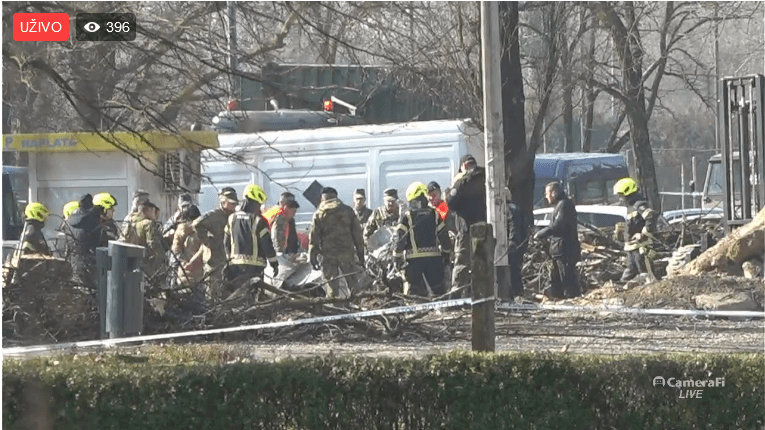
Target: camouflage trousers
[(462, 261), (337, 269), (214, 281)]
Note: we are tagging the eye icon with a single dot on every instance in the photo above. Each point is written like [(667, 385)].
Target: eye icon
[(91, 27)]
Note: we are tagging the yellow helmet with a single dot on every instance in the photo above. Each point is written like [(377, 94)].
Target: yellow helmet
[(105, 200), (625, 186), (256, 193), (36, 210), (415, 190), (70, 207)]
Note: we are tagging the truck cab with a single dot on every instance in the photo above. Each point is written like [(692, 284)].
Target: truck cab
[(713, 195), (588, 178)]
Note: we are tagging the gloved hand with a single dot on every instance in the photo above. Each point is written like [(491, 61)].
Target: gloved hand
[(361, 259), (275, 266), (399, 263), (636, 237), (315, 262)]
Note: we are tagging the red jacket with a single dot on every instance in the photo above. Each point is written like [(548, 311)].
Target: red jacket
[(442, 210)]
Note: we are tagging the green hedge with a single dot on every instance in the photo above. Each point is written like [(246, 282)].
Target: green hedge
[(454, 391)]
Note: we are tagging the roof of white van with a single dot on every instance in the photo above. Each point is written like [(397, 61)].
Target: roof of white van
[(413, 128)]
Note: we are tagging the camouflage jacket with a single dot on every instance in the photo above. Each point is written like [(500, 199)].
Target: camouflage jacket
[(335, 231), (210, 228), (363, 215), (380, 218), (148, 236)]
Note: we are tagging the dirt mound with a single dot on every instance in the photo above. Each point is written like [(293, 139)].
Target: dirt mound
[(678, 291)]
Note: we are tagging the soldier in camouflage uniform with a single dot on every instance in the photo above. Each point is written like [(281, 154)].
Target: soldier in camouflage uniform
[(360, 206), (210, 228), (384, 216), (139, 197), (147, 235), (336, 236)]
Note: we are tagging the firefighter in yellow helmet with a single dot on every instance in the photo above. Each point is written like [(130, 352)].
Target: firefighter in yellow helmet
[(69, 208), (418, 236), (32, 239), (639, 231), (248, 241), (90, 229), (109, 230)]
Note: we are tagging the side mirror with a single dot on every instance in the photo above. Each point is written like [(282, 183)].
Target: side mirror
[(692, 186)]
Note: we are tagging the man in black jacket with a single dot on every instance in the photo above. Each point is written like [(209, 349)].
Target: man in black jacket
[(467, 199), (564, 243), (90, 228)]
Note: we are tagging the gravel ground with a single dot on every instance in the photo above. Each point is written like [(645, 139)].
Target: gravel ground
[(585, 333), (551, 332)]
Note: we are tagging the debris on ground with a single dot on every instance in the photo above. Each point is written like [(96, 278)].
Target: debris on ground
[(47, 307)]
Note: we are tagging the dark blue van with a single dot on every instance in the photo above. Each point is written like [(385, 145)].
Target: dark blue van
[(588, 178)]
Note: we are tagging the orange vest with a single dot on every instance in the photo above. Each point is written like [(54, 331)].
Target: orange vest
[(271, 213), (442, 209)]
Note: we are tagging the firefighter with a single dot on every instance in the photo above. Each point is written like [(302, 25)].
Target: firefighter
[(210, 228), (565, 249), (418, 234), (69, 209), (247, 240), (109, 229), (384, 216), (467, 199), (639, 231), (360, 206), (32, 239), (89, 231), (281, 222), (336, 237)]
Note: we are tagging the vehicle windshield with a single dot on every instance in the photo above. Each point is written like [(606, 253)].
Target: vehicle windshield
[(717, 177)]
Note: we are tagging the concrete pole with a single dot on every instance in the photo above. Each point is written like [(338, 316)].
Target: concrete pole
[(482, 248), (495, 143)]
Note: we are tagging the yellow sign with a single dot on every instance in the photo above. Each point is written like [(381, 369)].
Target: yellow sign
[(105, 142)]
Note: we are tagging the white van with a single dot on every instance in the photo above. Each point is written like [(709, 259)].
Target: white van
[(373, 157)]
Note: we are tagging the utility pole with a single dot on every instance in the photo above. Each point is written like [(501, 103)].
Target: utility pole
[(494, 141), (233, 61), (717, 79)]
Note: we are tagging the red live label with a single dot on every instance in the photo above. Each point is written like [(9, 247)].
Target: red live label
[(40, 27)]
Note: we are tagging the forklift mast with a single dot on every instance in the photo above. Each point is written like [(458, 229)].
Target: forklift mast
[(741, 117)]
